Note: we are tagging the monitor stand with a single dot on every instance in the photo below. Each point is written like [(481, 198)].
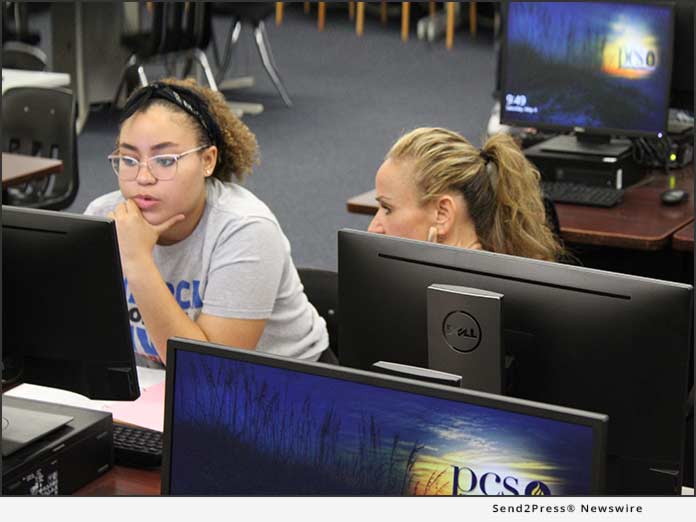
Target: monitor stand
[(416, 372), (588, 146), (21, 427)]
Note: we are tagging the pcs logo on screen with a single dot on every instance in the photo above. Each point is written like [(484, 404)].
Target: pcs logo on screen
[(462, 331), (465, 481), (537, 488), (638, 58), (630, 56)]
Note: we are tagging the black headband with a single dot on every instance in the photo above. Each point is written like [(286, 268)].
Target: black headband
[(183, 98)]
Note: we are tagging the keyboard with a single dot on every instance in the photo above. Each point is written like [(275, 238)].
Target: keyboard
[(577, 194), (137, 447)]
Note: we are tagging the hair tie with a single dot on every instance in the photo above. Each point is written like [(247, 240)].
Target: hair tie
[(490, 167)]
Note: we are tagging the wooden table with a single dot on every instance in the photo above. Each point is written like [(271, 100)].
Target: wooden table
[(18, 168), (123, 481), (684, 239), (641, 222)]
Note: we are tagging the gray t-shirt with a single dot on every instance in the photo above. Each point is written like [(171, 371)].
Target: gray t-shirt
[(235, 264)]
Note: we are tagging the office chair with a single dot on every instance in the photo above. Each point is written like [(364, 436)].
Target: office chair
[(321, 288), (19, 55), (196, 35), (252, 13), (143, 45), (18, 14), (552, 216), (177, 30), (554, 224), (39, 121)]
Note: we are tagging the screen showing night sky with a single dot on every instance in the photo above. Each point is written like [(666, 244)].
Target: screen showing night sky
[(584, 64), (241, 428)]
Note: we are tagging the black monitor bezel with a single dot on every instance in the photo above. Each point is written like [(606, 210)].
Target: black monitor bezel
[(61, 222), (508, 119), (597, 422), (682, 93)]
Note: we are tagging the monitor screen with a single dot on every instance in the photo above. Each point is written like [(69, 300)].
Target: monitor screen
[(601, 67), (65, 321), (245, 423), (576, 337)]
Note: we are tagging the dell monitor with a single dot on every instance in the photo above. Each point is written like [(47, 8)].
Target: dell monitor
[(238, 422), (577, 337), (65, 321), (601, 69)]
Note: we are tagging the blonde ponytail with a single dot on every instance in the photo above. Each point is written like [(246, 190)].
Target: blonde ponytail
[(500, 186), (519, 224)]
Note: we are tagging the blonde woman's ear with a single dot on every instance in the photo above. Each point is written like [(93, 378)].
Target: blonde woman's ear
[(432, 234)]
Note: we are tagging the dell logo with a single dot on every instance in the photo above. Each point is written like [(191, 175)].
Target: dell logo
[(461, 331), (464, 332)]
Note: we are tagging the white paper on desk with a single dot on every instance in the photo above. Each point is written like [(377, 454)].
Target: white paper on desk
[(54, 395), (145, 409)]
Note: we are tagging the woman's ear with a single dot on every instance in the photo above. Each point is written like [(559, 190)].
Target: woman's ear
[(209, 157), (446, 215)]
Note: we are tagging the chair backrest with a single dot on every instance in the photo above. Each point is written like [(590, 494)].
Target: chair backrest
[(552, 216), (250, 12), (187, 25), (18, 12), (321, 288), (40, 121), (173, 33), (199, 26), (18, 55), (147, 42)]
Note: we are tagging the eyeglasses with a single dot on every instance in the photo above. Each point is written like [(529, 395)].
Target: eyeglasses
[(163, 167)]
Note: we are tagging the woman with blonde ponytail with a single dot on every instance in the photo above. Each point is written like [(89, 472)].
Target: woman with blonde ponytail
[(434, 185)]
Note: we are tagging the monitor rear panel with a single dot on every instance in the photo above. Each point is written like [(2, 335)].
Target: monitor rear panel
[(580, 338), (64, 309)]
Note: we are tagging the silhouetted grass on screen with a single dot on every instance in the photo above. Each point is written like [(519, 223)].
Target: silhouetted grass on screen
[(256, 434)]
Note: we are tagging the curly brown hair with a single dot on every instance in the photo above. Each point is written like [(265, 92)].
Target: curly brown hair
[(238, 152)]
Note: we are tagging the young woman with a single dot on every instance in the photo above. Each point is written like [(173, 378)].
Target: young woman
[(434, 185), (202, 257)]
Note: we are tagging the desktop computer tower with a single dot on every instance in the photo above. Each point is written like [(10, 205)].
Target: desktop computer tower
[(63, 461), (613, 170)]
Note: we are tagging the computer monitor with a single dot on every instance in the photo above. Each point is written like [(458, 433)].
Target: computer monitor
[(239, 422), (65, 320), (581, 338), (682, 90), (599, 68)]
